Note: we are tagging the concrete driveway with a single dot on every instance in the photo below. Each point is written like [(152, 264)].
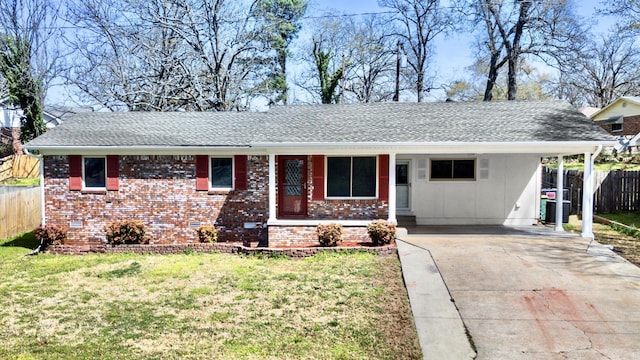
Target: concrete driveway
[(539, 297)]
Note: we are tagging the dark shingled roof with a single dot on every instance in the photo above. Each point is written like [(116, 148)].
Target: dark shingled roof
[(461, 122)]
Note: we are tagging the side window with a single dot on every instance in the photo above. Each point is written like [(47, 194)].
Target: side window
[(94, 172), (221, 173)]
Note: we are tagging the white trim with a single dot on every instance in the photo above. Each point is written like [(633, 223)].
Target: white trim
[(339, 148), (94, 188), (233, 173)]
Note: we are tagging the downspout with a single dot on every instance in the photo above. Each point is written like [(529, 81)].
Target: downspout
[(595, 154)]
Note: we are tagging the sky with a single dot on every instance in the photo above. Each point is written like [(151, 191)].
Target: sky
[(454, 53)]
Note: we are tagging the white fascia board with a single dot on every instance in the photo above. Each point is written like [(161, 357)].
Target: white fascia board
[(543, 148), (144, 150)]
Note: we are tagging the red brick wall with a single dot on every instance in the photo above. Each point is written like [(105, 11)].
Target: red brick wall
[(159, 191), (343, 209), (630, 126)]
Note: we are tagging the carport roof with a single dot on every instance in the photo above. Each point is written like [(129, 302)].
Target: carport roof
[(300, 125)]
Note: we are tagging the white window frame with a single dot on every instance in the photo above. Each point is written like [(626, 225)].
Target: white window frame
[(233, 173), (326, 179), (617, 130), (92, 188)]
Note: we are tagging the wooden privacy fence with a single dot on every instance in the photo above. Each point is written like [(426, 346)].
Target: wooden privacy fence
[(19, 166), (617, 190), (19, 210)]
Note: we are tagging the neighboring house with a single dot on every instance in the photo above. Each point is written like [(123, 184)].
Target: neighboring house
[(294, 167), (10, 121), (621, 117)]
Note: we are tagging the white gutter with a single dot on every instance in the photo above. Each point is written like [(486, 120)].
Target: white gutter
[(42, 207)]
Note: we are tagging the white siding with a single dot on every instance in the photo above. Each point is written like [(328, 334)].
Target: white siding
[(509, 196)]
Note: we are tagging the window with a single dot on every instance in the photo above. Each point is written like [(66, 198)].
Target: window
[(94, 172), (458, 169), (221, 176), (616, 127), (351, 176)]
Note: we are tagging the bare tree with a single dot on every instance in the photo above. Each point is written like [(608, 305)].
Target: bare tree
[(30, 57), (513, 30), (170, 54), (372, 57), (420, 22), (606, 70), (349, 60)]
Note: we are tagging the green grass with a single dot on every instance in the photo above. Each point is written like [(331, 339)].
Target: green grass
[(35, 181), (627, 218), (202, 306)]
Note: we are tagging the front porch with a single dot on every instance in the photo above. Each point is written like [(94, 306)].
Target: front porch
[(499, 198)]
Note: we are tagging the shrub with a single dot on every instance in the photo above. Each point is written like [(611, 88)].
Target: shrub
[(381, 232), (126, 232), (51, 234), (329, 234), (207, 233)]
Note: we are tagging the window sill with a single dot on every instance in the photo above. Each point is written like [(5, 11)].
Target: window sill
[(219, 191), (93, 191)]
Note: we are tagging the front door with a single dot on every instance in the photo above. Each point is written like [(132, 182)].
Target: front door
[(403, 185), (292, 186)]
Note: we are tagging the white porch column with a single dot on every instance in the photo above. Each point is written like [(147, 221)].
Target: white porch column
[(587, 197), (272, 187), (392, 189), (559, 193)]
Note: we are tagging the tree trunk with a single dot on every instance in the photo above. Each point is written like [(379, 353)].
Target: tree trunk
[(420, 85), (492, 77)]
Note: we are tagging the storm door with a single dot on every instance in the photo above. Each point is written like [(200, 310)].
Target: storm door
[(292, 186), (403, 185)]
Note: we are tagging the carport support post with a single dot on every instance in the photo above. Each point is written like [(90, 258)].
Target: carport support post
[(587, 197), (559, 193)]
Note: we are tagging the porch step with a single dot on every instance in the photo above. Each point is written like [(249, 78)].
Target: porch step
[(406, 220)]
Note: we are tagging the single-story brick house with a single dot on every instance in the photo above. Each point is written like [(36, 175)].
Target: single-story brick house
[(293, 167)]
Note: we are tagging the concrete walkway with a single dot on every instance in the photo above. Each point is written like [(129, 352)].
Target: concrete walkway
[(541, 297), (440, 330)]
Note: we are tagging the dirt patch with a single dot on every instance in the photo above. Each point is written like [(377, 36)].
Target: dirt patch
[(626, 246)]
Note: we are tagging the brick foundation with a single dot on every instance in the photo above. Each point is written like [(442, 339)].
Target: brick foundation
[(301, 252), (288, 236)]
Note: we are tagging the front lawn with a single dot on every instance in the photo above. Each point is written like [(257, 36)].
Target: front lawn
[(202, 306)]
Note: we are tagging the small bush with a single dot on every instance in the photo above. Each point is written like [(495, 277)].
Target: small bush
[(329, 234), (207, 234), (381, 232), (51, 235), (126, 232)]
